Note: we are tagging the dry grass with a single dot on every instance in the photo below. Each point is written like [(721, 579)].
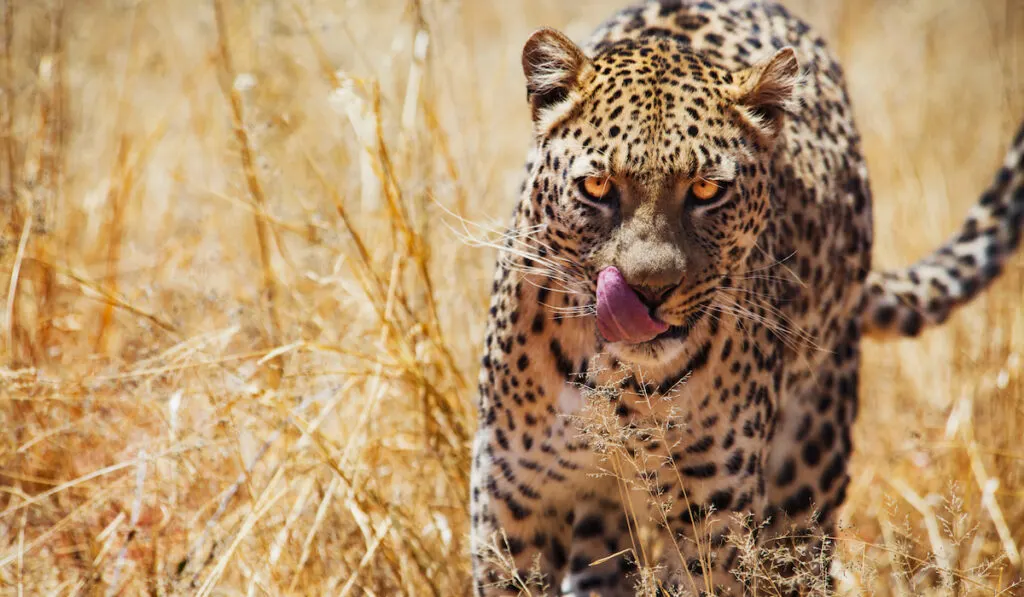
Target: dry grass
[(240, 320)]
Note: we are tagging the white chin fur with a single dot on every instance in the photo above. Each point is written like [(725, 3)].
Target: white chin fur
[(647, 353)]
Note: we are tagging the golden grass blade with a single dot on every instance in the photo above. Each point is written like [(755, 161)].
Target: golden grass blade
[(263, 234), (12, 287)]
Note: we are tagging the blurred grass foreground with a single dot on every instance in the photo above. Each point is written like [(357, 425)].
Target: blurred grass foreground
[(244, 276)]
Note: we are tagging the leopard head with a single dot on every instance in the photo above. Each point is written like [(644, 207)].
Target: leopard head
[(652, 173)]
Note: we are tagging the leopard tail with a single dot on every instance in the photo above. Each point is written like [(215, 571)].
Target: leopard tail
[(903, 302)]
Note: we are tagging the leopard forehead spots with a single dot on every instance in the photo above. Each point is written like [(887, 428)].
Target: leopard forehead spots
[(656, 108)]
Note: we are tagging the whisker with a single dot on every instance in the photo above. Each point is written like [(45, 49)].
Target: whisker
[(571, 312), (793, 336), (759, 300), (779, 262), (566, 288), (546, 272)]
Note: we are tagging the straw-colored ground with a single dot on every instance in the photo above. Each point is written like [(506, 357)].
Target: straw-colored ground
[(241, 360)]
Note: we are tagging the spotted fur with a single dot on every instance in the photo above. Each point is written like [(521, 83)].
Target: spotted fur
[(767, 290)]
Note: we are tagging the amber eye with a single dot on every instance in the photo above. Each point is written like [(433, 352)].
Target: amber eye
[(707, 191), (598, 188)]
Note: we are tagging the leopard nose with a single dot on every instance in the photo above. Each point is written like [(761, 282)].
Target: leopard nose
[(653, 296), (654, 285)]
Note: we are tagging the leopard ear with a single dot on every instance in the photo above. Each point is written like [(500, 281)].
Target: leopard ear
[(767, 90), (555, 67)]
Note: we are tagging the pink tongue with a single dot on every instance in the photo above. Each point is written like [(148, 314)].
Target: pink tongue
[(621, 315)]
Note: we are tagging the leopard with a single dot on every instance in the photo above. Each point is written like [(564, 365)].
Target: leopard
[(692, 245)]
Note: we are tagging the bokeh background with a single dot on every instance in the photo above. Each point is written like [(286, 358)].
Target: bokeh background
[(244, 271)]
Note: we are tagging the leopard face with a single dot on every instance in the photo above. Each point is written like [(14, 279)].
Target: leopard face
[(655, 161)]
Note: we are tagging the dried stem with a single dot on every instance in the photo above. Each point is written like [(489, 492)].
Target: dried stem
[(8, 195), (263, 232)]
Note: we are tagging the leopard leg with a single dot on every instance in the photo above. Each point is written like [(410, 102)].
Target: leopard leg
[(807, 467), (519, 540), (600, 562)]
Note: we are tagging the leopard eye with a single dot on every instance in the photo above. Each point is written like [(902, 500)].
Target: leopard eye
[(705, 192), (599, 189)]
